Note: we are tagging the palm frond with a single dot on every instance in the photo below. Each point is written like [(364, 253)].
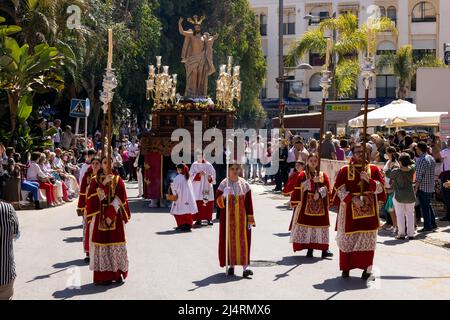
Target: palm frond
[(347, 75), (312, 40)]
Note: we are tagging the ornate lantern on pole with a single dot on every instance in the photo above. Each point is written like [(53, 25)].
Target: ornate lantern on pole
[(368, 72), (161, 86), (106, 96), (228, 85)]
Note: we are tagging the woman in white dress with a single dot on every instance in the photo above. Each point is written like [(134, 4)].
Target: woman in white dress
[(185, 205)]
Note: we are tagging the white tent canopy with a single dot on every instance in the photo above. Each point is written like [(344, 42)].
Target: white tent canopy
[(397, 114)]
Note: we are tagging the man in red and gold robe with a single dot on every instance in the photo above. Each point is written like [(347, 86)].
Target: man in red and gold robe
[(107, 206), (235, 193), (358, 217)]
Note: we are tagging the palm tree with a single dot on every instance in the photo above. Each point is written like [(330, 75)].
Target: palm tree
[(404, 66), (23, 72), (351, 39)]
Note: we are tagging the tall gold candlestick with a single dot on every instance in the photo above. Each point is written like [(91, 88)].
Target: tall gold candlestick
[(327, 61), (110, 48)]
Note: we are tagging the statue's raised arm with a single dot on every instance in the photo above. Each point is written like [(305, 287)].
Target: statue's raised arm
[(181, 30)]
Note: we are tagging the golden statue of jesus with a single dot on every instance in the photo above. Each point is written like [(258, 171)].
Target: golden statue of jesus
[(197, 56)]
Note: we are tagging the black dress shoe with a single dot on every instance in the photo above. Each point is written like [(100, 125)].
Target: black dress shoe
[(411, 238), (309, 254), (210, 223), (247, 273), (198, 223), (345, 274), (87, 259), (37, 205), (120, 280), (425, 230), (326, 254), (367, 276), (230, 271)]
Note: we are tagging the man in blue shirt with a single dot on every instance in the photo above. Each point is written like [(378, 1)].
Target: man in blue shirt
[(425, 172)]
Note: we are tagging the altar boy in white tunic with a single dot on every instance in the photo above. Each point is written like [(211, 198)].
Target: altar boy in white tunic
[(203, 176), (185, 206)]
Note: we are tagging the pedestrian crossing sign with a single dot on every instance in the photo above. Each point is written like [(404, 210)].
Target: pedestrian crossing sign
[(77, 108)]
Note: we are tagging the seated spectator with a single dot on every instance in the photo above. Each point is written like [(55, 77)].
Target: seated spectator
[(60, 190), (35, 174)]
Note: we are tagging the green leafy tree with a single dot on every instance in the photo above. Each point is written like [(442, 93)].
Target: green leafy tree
[(24, 72)]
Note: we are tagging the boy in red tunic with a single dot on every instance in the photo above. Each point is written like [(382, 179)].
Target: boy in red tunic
[(358, 218), (240, 210), (311, 222), (107, 206), (81, 209)]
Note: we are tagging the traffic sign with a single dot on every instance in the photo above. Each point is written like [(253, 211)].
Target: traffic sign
[(78, 108), (447, 57)]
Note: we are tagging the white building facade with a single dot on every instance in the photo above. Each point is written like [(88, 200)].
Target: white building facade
[(423, 24)]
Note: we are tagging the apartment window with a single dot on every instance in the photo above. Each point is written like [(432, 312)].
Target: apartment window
[(424, 12), (289, 23), (316, 59), (386, 86), (263, 93), (382, 11), (386, 47), (314, 83), (419, 54), (263, 24), (318, 18), (391, 13)]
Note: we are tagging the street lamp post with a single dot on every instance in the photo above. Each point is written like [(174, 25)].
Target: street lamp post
[(281, 65)]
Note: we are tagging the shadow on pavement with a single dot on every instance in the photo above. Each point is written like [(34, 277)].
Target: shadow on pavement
[(63, 266), (84, 290), (170, 232), (338, 285), (67, 264), (73, 239), (46, 276), (72, 228), (393, 242), (294, 261), (141, 206), (282, 234), (218, 278)]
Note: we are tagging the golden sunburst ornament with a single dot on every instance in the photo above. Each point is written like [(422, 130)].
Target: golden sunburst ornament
[(196, 20)]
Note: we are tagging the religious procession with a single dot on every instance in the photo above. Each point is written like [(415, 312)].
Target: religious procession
[(320, 177)]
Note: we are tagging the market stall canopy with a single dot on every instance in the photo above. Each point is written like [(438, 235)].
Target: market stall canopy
[(397, 114)]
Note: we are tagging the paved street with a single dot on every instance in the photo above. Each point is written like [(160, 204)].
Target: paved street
[(168, 265)]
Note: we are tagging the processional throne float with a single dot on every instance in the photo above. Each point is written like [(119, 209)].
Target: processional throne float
[(171, 111)]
